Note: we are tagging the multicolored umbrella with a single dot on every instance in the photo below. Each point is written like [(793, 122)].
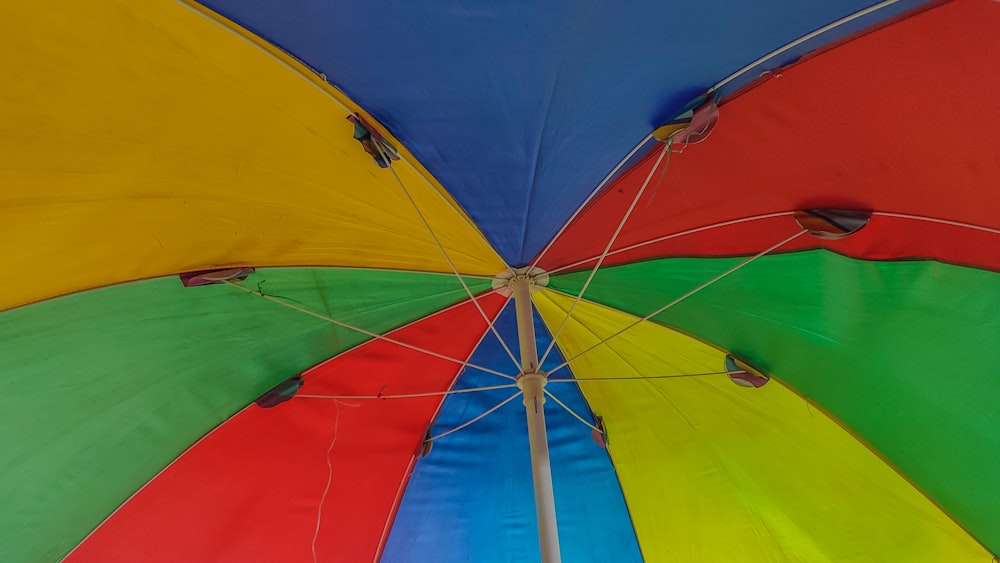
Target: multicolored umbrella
[(310, 281)]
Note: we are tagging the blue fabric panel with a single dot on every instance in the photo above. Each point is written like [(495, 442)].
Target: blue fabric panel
[(520, 108), (472, 499)]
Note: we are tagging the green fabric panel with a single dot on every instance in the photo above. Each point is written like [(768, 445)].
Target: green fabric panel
[(906, 354), (100, 390)]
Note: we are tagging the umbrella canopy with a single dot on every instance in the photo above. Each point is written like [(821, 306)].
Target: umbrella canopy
[(282, 280)]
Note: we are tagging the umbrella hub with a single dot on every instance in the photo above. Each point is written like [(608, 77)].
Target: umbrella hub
[(532, 385), (503, 282)]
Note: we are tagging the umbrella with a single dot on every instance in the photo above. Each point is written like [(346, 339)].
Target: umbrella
[(469, 281)]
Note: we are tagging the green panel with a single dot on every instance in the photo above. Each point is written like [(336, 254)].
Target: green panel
[(100, 390), (904, 353)]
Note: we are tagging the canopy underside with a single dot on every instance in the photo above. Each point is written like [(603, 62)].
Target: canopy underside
[(734, 465), (140, 141)]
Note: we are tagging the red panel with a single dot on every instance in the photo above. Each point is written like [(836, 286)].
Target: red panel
[(879, 123), (249, 491)]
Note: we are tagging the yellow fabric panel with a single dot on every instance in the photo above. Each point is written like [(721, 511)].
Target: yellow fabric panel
[(716, 472), (144, 138)]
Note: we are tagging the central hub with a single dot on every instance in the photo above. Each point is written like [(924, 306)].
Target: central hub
[(528, 378), (537, 278), (532, 386)]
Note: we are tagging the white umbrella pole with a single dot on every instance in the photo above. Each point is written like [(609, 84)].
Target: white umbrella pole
[(533, 381)]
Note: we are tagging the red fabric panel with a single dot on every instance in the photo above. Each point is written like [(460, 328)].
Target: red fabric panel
[(249, 491), (879, 123)]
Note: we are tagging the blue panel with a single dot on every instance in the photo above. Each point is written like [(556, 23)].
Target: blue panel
[(520, 108), (471, 499)]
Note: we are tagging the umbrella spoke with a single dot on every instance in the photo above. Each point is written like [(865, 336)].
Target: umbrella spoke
[(614, 236), (447, 258), (709, 283), (672, 236), (637, 378), (939, 221), (411, 395), (492, 410), (570, 411), (376, 335)]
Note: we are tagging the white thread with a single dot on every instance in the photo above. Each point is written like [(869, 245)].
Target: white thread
[(329, 478)]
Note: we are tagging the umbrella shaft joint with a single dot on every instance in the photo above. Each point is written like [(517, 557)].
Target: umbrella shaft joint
[(533, 385)]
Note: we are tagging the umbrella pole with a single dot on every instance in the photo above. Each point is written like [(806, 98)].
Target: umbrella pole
[(532, 381)]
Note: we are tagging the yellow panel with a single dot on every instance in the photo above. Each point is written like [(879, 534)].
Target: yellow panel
[(144, 138), (716, 472)]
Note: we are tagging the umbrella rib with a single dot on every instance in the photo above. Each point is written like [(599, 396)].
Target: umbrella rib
[(686, 295), (801, 40), (367, 332), (447, 258), (940, 221), (593, 193), (410, 395), (607, 249), (673, 236), (569, 410), (640, 378), (466, 424)]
